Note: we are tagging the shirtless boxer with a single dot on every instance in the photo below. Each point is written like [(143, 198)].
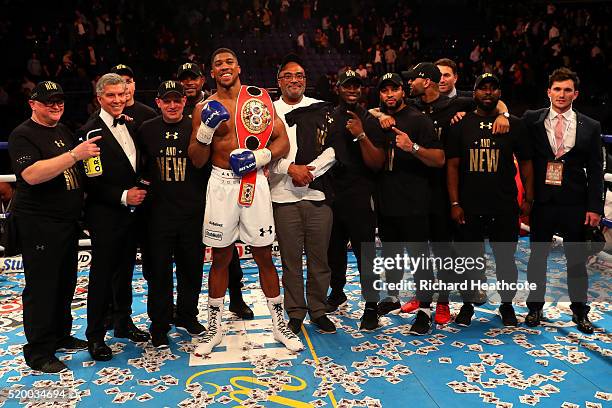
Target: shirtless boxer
[(238, 203)]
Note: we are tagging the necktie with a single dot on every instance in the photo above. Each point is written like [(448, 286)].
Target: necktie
[(559, 130), (118, 121)]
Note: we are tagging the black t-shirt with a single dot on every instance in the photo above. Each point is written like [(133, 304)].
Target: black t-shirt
[(177, 187), (61, 197), (404, 185), (140, 113), (441, 111), (350, 176), (191, 103), (487, 170)]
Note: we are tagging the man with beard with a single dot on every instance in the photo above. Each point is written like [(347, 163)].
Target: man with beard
[(404, 192), (358, 144), (192, 79), (482, 190), (239, 131), (423, 80), (568, 168)]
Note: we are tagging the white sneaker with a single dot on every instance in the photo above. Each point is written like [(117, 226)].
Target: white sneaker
[(213, 336), (280, 331)]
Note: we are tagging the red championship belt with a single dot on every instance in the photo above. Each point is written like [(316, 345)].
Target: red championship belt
[(254, 124)]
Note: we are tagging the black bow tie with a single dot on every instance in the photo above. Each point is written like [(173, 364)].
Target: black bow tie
[(118, 121)]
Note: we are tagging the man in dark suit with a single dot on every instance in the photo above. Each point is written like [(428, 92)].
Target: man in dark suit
[(110, 212), (567, 199)]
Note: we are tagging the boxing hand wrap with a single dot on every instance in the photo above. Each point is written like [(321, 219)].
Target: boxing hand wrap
[(244, 161), (213, 114)]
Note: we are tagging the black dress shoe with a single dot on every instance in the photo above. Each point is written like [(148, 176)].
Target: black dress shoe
[(133, 333), (50, 365), (99, 351), (192, 327), (583, 323), (508, 317), (295, 325), (324, 324), (159, 339), (70, 344), (241, 309), (533, 318)]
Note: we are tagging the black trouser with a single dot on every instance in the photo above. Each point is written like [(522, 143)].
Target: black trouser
[(502, 230), (354, 221), (235, 277), (180, 240), (50, 251), (568, 221), (411, 233), (113, 247), (441, 236)]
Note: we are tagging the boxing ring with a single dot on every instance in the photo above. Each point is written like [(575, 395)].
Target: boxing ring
[(485, 364)]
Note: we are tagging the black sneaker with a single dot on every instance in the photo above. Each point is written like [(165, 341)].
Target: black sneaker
[(369, 320), (324, 324), (159, 340), (464, 318), (295, 325), (335, 300), (422, 324), (193, 327), (388, 305), (71, 344), (50, 365), (508, 317)]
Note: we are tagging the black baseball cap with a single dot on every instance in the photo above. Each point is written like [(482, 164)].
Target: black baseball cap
[(424, 70), (485, 78), (168, 87), (390, 77), (46, 90), (290, 58), (349, 76), (122, 70), (189, 68)]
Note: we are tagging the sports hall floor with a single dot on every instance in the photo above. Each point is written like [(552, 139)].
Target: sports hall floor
[(483, 365)]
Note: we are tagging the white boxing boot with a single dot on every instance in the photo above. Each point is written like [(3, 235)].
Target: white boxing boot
[(280, 331), (213, 336)]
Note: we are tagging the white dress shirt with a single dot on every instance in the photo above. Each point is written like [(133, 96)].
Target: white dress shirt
[(122, 135), (281, 184), (569, 133)]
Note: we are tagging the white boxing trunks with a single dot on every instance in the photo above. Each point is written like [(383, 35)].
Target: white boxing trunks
[(226, 221)]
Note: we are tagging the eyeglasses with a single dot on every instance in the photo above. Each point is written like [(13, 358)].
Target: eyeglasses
[(51, 104), (289, 76)]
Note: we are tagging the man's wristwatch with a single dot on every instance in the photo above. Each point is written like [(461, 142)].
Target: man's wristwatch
[(505, 114), (415, 148), (455, 204)]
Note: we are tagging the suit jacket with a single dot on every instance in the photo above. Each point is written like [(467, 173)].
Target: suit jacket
[(582, 182), (103, 203)]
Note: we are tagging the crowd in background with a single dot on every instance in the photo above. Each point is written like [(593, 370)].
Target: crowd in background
[(520, 41)]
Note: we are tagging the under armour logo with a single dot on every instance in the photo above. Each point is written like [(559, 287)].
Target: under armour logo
[(59, 143), (263, 232), (487, 125), (172, 135), (40, 247)]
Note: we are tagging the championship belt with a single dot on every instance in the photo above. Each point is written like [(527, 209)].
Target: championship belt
[(254, 124)]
